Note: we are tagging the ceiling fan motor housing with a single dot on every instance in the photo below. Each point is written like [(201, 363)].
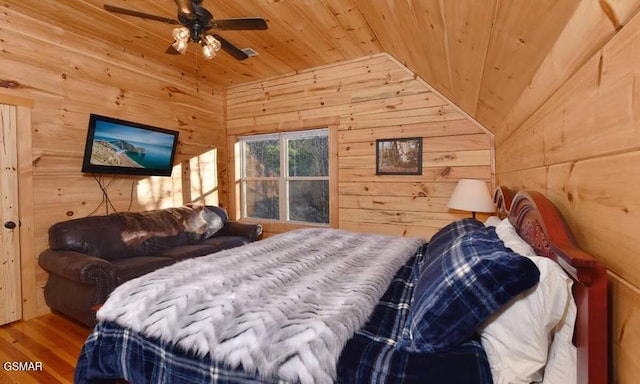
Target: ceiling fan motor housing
[(197, 21)]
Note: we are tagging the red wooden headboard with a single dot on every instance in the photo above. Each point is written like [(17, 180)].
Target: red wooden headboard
[(541, 225)]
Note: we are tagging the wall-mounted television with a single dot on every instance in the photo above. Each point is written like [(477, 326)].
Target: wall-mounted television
[(123, 147)]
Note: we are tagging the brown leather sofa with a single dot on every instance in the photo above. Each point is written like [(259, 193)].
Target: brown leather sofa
[(88, 257)]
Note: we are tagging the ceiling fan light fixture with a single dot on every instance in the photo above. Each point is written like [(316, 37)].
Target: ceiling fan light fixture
[(213, 43), (210, 45), (181, 34), (207, 52), (181, 46)]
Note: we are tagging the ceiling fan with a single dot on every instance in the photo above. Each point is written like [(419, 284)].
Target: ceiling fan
[(196, 23)]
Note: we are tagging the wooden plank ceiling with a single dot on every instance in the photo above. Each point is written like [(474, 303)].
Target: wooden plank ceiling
[(481, 54)]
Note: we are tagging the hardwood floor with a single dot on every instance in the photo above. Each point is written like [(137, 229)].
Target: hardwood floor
[(50, 341)]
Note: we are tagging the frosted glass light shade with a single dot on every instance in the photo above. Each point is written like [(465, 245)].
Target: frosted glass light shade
[(207, 52), (210, 46), (213, 43), (181, 36), (472, 195), (180, 46), (181, 33)]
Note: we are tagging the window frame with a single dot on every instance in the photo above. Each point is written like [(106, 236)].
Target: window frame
[(283, 179)]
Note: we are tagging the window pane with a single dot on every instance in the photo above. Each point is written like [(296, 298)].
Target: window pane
[(262, 158), (309, 156), (309, 201), (261, 198)]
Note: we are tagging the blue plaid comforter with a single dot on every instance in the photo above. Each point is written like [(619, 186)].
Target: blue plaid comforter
[(112, 352)]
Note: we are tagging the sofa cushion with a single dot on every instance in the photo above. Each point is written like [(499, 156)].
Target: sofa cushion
[(122, 235), (154, 246), (225, 242), (96, 235), (189, 251), (127, 269)]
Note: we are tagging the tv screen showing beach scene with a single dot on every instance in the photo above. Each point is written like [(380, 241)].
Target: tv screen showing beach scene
[(120, 146)]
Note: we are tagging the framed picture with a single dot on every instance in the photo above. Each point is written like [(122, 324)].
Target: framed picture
[(399, 156)]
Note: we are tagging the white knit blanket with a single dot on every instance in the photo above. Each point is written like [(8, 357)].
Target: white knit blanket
[(283, 307)]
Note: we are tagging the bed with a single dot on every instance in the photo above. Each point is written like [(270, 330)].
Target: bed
[(322, 306)]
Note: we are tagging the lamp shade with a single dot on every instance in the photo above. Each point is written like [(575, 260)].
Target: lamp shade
[(471, 195)]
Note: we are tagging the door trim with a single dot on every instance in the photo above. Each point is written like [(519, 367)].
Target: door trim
[(28, 253)]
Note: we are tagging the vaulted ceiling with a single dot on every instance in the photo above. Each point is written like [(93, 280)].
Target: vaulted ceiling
[(496, 59)]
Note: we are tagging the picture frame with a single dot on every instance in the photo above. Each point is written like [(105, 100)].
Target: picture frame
[(400, 156)]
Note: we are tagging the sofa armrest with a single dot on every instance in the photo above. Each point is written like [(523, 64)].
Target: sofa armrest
[(79, 267), (237, 228)]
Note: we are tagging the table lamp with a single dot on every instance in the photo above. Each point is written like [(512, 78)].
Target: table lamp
[(472, 195)]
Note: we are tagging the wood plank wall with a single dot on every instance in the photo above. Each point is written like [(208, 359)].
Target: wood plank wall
[(581, 148), (367, 99), (66, 77)]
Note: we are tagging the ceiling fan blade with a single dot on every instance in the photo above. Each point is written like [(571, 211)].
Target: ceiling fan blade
[(143, 15), (237, 24), (231, 49)]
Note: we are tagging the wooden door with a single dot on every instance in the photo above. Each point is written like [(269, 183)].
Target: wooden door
[(10, 294)]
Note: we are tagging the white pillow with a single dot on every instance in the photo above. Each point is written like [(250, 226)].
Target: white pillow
[(562, 365), (529, 340), (507, 233), (492, 221)]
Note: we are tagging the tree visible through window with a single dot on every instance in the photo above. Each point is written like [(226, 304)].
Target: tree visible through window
[(285, 176)]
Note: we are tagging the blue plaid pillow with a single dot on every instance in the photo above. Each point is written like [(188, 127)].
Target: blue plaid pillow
[(445, 236), (460, 287)]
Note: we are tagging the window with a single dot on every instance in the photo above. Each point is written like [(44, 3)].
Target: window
[(285, 176)]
